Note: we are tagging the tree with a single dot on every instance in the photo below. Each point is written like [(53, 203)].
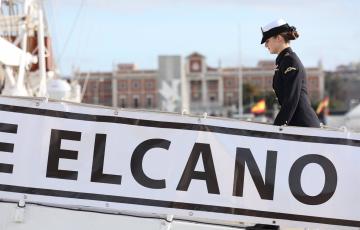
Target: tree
[(251, 92)]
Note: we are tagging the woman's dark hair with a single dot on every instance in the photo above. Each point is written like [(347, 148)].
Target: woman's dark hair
[(292, 34)]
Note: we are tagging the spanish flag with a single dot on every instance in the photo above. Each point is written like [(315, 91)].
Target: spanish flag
[(259, 107), (322, 105)]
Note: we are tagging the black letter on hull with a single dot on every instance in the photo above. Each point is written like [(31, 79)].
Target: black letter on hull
[(265, 189), (137, 160), (97, 171), (7, 147), (55, 153), (209, 174), (330, 179)]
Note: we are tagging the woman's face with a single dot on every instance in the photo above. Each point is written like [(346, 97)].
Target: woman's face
[(273, 44)]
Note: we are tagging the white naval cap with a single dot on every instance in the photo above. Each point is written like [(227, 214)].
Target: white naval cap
[(274, 28)]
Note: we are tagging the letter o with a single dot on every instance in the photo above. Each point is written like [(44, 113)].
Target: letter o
[(330, 179)]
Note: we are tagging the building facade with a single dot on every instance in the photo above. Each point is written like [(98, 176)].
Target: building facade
[(96, 87), (211, 90), (124, 87), (134, 88)]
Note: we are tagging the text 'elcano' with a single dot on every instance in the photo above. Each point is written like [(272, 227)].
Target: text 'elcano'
[(265, 185)]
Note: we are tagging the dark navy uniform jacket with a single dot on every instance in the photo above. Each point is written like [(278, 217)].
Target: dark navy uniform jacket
[(289, 84)]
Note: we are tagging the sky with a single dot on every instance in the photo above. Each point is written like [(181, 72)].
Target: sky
[(95, 35)]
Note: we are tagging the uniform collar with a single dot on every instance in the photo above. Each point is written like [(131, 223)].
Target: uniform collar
[(282, 54)]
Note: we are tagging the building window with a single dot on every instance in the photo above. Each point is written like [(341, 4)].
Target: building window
[(123, 102), (229, 99), (94, 85), (135, 84), (212, 85), (229, 83), (136, 101), (122, 85), (195, 85), (195, 96), (212, 98), (149, 85), (149, 101)]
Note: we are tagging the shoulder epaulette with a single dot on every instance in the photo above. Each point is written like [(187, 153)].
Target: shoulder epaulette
[(289, 69)]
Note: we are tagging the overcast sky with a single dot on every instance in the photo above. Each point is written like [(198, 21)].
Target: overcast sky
[(95, 34)]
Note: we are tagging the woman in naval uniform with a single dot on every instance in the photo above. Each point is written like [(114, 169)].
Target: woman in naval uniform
[(289, 80)]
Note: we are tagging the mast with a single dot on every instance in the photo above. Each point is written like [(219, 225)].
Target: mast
[(20, 86), (23, 47), (41, 50)]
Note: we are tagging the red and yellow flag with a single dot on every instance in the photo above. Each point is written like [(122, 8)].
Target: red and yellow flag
[(322, 105), (259, 107)]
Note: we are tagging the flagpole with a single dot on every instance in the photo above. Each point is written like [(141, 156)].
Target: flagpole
[(240, 75)]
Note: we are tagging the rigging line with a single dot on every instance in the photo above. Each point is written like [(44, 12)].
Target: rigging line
[(71, 31), (83, 42), (53, 30)]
